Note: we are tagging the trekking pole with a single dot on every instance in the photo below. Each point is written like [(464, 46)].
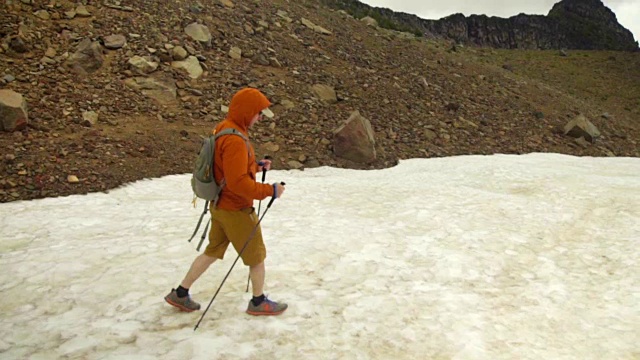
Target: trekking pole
[(264, 175), (236, 260)]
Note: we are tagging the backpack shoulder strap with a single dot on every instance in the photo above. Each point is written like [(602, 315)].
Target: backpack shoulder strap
[(232, 131)]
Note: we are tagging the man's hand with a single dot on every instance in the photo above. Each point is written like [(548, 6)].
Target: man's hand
[(278, 190), (264, 164)]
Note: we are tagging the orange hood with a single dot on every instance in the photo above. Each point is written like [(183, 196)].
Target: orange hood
[(245, 104)]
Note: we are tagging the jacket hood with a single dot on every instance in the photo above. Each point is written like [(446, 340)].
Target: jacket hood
[(245, 104)]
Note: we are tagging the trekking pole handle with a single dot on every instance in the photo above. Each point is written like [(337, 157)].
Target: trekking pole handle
[(264, 171), (274, 198)]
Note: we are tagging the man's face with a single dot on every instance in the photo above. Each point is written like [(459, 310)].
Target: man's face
[(255, 119)]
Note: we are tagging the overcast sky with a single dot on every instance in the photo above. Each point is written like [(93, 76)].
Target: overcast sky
[(627, 11)]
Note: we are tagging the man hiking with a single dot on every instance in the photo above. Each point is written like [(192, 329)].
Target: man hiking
[(233, 216)]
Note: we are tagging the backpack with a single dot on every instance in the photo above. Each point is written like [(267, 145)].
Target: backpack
[(203, 181)]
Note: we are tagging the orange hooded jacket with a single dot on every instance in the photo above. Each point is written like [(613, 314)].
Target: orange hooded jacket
[(235, 162)]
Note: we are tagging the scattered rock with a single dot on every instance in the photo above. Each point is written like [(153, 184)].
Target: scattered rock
[(295, 165), (191, 65), (179, 53), (82, 11), (13, 111), (261, 60), (42, 14), (355, 140), (288, 104), (582, 142), (9, 78), (51, 52), (452, 107), (72, 179), (115, 42), (18, 45), (271, 147), (369, 21), (88, 58), (143, 65), (314, 27), (284, 16), (89, 118), (325, 93), (227, 3), (160, 88), (199, 32), (235, 53)]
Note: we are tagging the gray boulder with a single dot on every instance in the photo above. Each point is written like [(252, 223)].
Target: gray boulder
[(355, 140), (580, 127), (88, 58)]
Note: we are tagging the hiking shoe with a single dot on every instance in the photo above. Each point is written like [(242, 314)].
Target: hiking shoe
[(267, 307), (184, 303)]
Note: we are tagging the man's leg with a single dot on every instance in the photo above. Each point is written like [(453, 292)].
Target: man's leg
[(257, 279), (259, 304), (218, 243), (198, 267)]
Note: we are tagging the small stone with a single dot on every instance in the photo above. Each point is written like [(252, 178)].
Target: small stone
[(114, 42), (9, 78), (51, 52), (227, 3), (288, 104), (43, 14), (89, 118), (199, 32), (295, 165), (143, 65), (271, 147), (72, 179), (235, 53), (179, 53), (82, 11)]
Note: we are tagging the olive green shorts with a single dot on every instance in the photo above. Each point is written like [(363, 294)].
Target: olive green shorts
[(235, 227)]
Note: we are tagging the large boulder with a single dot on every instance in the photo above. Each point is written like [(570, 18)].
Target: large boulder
[(580, 127), (88, 58), (13, 111), (355, 140)]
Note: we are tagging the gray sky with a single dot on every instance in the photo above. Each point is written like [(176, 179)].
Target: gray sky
[(627, 11)]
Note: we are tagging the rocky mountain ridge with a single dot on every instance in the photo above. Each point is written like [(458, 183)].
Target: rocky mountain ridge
[(571, 24)]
